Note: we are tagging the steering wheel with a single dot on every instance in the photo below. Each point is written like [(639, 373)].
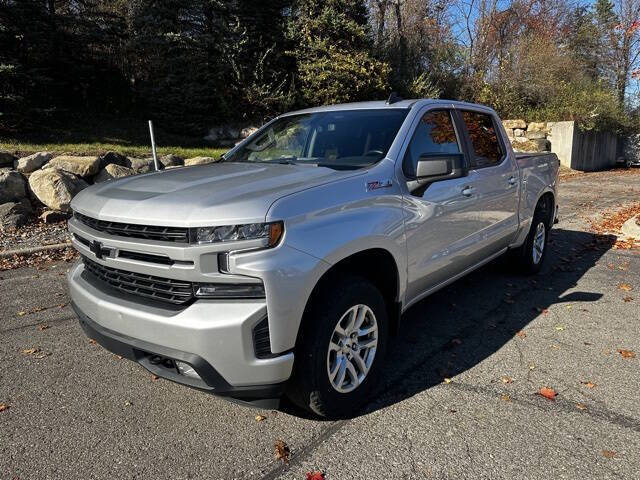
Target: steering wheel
[(371, 153)]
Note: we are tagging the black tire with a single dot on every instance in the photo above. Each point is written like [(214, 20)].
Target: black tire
[(525, 254), (310, 386)]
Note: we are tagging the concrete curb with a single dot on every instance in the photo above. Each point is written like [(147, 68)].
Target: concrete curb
[(32, 250), (631, 228)]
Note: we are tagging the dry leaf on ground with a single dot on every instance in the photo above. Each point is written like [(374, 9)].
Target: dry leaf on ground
[(589, 384), (581, 406), (625, 286), (608, 453), (92, 341), (627, 298), (31, 351), (281, 451), (506, 379), (547, 392), (505, 397), (260, 418), (3, 407), (627, 353), (314, 475), (153, 377), (521, 334), (42, 327)]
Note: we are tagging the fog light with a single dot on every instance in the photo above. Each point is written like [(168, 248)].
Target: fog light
[(187, 370)]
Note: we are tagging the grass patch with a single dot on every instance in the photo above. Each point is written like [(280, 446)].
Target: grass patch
[(22, 148)]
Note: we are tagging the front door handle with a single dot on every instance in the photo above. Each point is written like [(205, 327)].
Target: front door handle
[(512, 181), (468, 191)]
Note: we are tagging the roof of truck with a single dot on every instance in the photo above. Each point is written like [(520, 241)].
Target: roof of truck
[(381, 104)]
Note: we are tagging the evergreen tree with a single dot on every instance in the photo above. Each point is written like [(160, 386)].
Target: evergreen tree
[(332, 49)]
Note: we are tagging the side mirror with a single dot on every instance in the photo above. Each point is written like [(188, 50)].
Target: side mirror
[(433, 167)]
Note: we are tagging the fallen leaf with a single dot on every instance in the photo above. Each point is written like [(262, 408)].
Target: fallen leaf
[(127, 403), (505, 397), (521, 334), (281, 451), (447, 380), (42, 327), (31, 351), (260, 418), (627, 353), (627, 298), (559, 327), (154, 378), (547, 392), (581, 406), (589, 384), (506, 379), (22, 313), (625, 286), (608, 453), (92, 341), (314, 475), (3, 407), (532, 366), (568, 307)]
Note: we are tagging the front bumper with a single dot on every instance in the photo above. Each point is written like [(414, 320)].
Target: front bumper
[(213, 336)]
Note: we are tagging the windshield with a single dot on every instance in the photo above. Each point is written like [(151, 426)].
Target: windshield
[(342, 140)]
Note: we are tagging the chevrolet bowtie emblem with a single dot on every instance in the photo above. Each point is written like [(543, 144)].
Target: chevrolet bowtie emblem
[(99, 251)]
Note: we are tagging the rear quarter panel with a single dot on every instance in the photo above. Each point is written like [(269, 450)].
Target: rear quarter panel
[(538, 175)]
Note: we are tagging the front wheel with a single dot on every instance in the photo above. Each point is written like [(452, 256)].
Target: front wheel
[(341, 348)]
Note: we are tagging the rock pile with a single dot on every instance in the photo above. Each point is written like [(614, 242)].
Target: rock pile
[(49, 181)]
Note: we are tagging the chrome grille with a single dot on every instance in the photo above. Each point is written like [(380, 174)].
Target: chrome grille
[(149, 286), (150, 232)]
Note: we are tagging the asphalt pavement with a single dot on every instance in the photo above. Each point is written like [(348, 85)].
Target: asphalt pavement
[(459, 398)]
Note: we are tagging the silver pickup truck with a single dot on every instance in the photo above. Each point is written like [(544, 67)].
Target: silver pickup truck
[(284, 268)]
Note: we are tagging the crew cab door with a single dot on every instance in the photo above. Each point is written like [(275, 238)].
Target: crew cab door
[(496, 182), (442, 215)]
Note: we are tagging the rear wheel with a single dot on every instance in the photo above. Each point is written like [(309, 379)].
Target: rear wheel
[(533, 251), (340, 348)]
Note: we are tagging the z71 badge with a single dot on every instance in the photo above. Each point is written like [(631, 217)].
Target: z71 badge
[(376, 184)]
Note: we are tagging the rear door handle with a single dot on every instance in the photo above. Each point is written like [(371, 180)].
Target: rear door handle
[(512, 181), (468, 191)]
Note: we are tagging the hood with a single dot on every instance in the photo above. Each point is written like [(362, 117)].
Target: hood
[(215, 194)]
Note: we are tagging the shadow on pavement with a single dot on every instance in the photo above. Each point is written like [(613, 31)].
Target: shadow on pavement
[(463, 324)]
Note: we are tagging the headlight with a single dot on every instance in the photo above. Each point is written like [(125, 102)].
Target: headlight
[(270, 232), (229, 290)]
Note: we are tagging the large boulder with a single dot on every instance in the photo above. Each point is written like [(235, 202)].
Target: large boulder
[(112, 158), (171, 160), (32, 162), (514, 124), (140, 165), (80, 166), (6, 159), (15, 214), (198, 161), (537, 127), (55, 188), (13, 186), (248, 131), (535, 135), (113, 171)]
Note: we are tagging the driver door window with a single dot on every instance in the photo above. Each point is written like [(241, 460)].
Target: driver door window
[(434, 134)]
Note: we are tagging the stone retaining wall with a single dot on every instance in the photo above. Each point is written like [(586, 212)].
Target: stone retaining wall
[(529, 137)]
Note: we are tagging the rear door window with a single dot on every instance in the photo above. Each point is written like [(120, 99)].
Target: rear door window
[(487, 150)]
